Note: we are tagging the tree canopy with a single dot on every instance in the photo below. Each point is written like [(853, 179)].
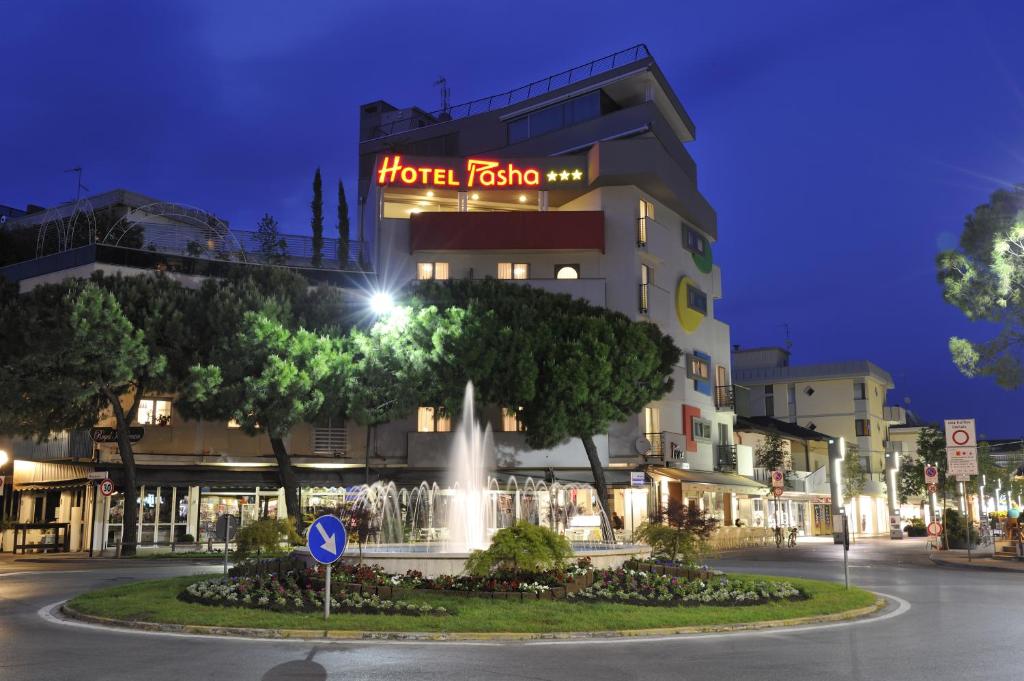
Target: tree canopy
[(984, 278)]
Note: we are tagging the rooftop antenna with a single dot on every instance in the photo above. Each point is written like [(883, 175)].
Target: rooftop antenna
[(78, 186), (446, 94), (789, 341)]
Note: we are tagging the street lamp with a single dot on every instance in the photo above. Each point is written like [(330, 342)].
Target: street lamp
[(3, 458), (382, 303)]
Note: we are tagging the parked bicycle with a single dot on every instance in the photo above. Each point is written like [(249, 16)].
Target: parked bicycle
[(792, 537), (778, 536)]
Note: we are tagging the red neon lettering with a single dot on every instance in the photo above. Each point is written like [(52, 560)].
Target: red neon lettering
[(473, 165), (425, 175), (452, 182), (531, 177), (388, 169), (439, 176), (408, 175), (515, 175)]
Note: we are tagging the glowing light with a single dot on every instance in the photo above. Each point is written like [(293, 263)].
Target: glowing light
[(430, 194), (552, 176), (564, 175), (577, 174), (522, 198), (3, 458), (474, 196), (381, 303)]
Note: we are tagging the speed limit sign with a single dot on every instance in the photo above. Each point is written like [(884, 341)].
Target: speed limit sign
[(106, 487)]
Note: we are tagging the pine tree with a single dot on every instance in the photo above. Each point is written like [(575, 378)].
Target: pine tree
[(342, 228), (317, 221)]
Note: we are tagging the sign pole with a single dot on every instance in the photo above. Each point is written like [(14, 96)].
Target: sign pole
[(846, 550), (327, 593), (92, 522), (967, 504)]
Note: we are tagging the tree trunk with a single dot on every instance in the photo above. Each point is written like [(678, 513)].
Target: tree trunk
[(286, 475), (600, 485), (130, 520)]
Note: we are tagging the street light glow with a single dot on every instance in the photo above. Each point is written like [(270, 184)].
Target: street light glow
[(381, 303), (3, 458)]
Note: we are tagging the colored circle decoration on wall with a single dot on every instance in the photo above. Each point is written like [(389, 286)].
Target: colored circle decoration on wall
[(689, 318), (703, 262)]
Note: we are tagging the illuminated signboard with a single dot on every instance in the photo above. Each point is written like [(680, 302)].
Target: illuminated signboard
[(460, 174)]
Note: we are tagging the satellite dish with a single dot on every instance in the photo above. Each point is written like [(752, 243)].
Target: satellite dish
[(642, 445), (3, 219)]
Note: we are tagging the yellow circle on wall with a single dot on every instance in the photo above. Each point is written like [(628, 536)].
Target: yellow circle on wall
[(689, 318)]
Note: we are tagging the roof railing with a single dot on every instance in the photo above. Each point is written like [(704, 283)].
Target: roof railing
[(514, 96)]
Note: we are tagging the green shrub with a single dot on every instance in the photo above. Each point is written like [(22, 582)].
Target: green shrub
[(522, 548), (186, 539), (678, 533), (265, 538)]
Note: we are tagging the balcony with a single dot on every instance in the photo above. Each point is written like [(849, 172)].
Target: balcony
[(657, 444), (641, 232), (644, 302), (725, 398), (725, 458), (75, 444)]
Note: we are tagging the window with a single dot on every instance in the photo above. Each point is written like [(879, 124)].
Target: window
[(697, 368), (154, 413), (694, 241), (645, 280), (432, 270), (511, 420), (652, 420), (509, 270), (432, 420), (769, 400), (696, 299), (791, 393), (567, 271), (646, 213), (575, 110), (701, 429), (863, 427), (859, 391)]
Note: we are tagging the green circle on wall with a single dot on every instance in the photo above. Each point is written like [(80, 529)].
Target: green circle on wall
[(703, 262)]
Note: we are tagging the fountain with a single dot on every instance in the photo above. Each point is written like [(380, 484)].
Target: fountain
[(432, 528)]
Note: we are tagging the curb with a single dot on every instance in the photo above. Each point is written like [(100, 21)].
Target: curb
[(972, 566), (426, 636)]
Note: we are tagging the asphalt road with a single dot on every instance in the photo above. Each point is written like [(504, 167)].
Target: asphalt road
[(961, 624)]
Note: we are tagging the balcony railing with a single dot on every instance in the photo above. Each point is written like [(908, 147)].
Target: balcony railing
[(75, 444), (643, 298), (725, 458), (641, 232), (519, 94), (725, 398), (657, 441)]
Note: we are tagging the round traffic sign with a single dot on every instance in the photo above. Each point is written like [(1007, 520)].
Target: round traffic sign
[(326, 539), (777, 475), (934, 528), (960, 437), (777, 491), (931, 472), (106, 487), (932, 488)]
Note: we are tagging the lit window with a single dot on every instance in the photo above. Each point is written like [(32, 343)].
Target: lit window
[(646, 213), (432, 420), (233, 423), (696, 299), (567, 271), (510, 270), (432, 270), (863, 427), (511, 420), (154, 413), (697, 368), (769, 400)]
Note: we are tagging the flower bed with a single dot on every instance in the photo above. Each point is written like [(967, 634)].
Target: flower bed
[(294, 595), (640, 587)]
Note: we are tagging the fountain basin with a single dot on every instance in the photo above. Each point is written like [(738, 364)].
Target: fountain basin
[(434, 561)]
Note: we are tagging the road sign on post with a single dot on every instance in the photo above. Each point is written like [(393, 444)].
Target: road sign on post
[(326, 539), (778, 479), (931, 474), (960, 433), (106, 487)]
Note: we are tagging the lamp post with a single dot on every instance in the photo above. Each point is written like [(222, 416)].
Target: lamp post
[(4, 459), (382, 305)]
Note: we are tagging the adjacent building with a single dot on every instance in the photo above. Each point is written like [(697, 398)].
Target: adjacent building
[(843, 399)]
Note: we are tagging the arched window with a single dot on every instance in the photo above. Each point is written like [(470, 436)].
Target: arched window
[(567, 271)]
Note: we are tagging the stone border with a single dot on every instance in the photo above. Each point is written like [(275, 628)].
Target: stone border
[(426, 636), (1013, 566)]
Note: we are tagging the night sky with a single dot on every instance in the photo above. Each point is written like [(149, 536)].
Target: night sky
[(842, 144)]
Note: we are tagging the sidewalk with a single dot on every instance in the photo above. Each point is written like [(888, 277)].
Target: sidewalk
[(958, 558)]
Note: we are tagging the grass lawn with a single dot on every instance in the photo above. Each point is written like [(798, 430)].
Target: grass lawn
[(156, 601)]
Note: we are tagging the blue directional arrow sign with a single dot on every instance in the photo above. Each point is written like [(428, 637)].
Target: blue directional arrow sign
[(326, 539)]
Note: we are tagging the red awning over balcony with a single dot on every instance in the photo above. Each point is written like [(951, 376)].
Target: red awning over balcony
[(507, 231)]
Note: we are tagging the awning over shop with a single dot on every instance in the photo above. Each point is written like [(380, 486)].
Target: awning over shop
[(729, 480), (29, 475)]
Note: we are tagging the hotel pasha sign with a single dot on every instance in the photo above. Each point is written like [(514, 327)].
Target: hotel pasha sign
[(461, 174)]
